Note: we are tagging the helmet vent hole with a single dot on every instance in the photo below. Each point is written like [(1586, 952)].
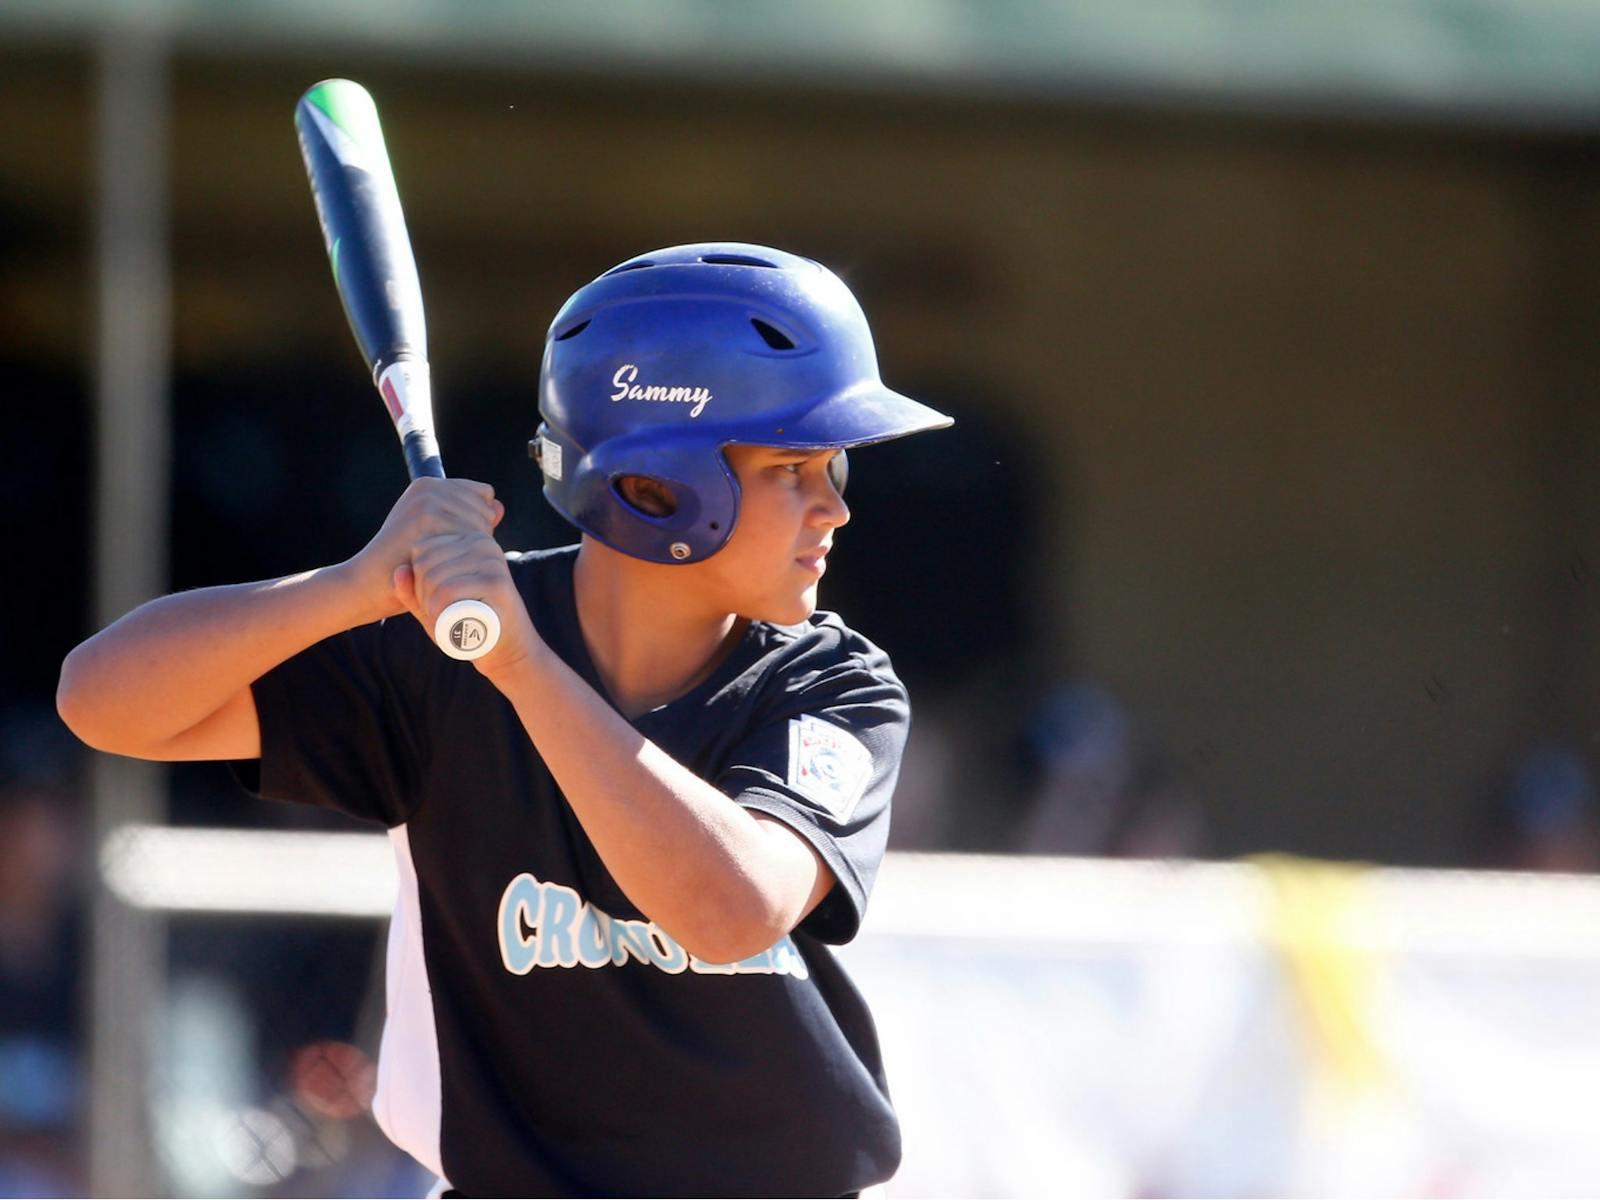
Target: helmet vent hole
[(772, 335), (573, 332), (637, 265), (737, 260)]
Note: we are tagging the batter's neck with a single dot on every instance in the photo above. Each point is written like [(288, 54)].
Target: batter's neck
[(649, 642)]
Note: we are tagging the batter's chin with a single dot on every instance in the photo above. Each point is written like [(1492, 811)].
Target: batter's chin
[(791, 613)]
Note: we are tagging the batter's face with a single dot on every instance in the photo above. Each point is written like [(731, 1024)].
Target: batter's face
[(788, 510)]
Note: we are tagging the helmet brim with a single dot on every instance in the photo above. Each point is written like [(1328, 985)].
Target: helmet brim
[(859, 416)]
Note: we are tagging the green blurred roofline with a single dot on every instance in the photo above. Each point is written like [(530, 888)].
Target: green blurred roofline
[(1517, 62)]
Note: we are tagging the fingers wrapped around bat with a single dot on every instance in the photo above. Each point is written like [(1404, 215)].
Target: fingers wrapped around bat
[(380, 572), (447, 567), (435, 506)]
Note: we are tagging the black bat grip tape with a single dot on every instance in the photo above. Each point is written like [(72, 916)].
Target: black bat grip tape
[(422, 455)]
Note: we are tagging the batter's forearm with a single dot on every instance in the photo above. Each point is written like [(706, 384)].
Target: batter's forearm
[(721, 881), (171, 663)]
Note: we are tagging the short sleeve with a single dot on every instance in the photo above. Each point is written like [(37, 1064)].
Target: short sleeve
[(336, 731), (823, 759)]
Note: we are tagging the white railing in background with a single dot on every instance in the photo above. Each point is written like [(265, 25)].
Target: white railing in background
[(1113, 1028)]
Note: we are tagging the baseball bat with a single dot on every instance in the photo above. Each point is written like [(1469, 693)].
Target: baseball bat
[(358, 206)]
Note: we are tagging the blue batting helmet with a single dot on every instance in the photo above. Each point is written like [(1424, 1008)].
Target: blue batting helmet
[(664, 360)]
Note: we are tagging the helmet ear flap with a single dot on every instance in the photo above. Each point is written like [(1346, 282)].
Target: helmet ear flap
[(643, 495)]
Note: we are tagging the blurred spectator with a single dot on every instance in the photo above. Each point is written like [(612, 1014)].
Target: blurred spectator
[(1095, 787), (41, 851), (1544, 815)]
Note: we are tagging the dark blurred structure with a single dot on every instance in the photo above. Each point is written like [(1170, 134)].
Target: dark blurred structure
[(1275, 425), (42, 865), (1544, 814), (1275, 390)]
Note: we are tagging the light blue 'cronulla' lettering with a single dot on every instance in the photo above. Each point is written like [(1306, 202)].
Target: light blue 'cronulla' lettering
[(550, 925)]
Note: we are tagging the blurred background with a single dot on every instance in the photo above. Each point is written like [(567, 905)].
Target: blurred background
[(1265, 545)]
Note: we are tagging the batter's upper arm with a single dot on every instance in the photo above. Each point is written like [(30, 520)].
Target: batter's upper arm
[(803, 868), (232, 732)]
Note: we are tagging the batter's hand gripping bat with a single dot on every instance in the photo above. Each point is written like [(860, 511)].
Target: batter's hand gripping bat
[(376, 274)]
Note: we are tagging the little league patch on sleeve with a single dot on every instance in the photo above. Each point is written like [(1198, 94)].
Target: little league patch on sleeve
[(828, 764)]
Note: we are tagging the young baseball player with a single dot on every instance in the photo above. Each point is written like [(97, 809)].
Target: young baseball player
[(628, 834)]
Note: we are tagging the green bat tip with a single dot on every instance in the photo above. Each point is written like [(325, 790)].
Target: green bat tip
[(349, 106)]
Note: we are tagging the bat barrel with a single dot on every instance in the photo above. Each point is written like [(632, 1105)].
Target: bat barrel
[(364, 231), (363, 226)]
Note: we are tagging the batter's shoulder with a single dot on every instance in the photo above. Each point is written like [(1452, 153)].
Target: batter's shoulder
[(544, 580), (533, 562), (537, 572), (825, 640)]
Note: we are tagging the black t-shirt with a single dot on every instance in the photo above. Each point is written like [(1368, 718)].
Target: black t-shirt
[(543, 1036)]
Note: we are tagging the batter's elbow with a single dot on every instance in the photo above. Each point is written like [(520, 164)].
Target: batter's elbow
[(69, 698), (723, 948), (75, 701), (734, 936)]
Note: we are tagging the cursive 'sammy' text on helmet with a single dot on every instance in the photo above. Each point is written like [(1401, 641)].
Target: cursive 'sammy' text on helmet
[(627, 389)]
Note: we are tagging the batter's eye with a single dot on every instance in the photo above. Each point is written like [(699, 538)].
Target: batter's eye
[(839, 471)]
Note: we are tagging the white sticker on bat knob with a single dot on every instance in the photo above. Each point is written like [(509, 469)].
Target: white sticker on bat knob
[(467, 629), (468, 633)]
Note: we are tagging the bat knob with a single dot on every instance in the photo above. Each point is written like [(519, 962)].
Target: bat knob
[(467, 629)]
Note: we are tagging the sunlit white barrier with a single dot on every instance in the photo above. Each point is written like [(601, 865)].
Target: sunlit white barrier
[(194, 870), (1137, 1028)]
